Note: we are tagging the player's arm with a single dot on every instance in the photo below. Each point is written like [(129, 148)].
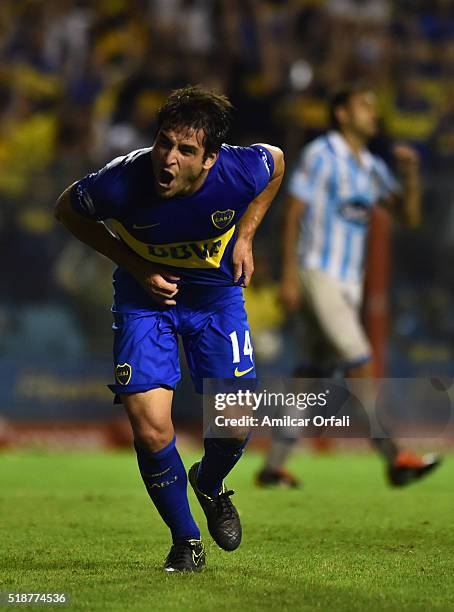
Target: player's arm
[(96, 235), (406, 206), (243, 261), (290, 292)]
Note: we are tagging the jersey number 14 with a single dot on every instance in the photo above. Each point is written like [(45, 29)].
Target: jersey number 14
[(247, 347)]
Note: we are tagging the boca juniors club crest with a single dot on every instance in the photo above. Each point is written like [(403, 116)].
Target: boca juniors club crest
[(221, 218), (123, 372)]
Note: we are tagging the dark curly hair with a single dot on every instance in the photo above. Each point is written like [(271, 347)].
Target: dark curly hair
[(198, 108), (343, 96)]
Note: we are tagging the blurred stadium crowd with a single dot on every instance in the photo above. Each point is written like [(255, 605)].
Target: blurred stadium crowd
[(80, 83)]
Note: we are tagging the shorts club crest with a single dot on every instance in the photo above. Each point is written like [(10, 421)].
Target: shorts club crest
[(123, 373)]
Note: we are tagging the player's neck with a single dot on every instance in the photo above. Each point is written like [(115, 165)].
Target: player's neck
[(355, 141), (196, 185)]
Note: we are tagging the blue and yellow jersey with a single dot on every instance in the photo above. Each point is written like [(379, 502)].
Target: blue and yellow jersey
[(191, 236)]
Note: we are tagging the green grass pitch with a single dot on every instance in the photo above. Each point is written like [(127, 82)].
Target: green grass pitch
[(82, 523)]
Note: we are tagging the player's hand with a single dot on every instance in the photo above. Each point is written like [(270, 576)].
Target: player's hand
[(290, 294), (407, 158), (243, 261), (158, 283)]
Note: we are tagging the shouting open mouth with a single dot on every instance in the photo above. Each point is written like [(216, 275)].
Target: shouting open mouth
[(166, 179)]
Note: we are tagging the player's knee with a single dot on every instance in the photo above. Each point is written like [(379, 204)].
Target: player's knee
[(239, 438), (152, 438), (234, 435)]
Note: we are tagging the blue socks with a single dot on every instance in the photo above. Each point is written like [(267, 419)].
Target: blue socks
[(165, 478), (221, 455)]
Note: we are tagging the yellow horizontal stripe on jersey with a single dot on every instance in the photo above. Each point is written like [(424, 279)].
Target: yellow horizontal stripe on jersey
[(194, 254)]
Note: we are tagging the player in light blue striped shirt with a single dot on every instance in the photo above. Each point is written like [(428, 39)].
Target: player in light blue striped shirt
[(334, 187), (339, 190)]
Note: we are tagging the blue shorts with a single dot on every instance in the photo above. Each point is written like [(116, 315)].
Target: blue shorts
[(213, 325)]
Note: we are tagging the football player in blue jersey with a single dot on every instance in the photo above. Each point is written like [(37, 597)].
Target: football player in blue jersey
[(331, 194), (178, 219)]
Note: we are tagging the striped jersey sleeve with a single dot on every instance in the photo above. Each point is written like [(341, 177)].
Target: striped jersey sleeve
[(308, 172)]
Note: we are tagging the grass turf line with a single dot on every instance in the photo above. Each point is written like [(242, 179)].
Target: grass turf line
[(82, 523)]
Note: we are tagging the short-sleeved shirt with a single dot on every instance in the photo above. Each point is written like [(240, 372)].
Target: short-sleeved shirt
[(339, 192), (192, 236)]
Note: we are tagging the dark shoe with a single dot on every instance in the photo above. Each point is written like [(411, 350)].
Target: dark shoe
[(185, 556), (276, 478), (409, 467), (222, 516)]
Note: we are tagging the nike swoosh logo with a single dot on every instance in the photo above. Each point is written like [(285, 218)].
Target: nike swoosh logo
[(238, 373), (144, 226)]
